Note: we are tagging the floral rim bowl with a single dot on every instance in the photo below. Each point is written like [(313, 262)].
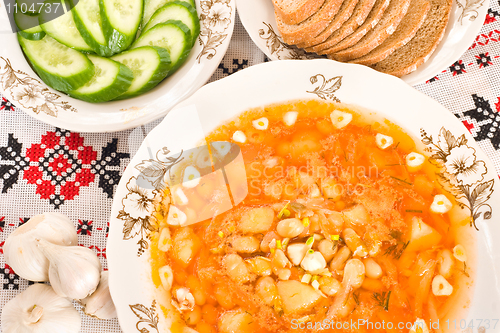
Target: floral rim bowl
[(469, 174), (21, 85)]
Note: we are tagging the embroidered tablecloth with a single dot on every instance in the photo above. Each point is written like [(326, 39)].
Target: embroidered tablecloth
[(43, 168)]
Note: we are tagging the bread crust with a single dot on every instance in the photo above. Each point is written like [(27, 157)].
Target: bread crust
[(311, 27), (373, 18), (387, 25), (345, 12), (296, 15), (408, 27), (407, 58), (359, 15)]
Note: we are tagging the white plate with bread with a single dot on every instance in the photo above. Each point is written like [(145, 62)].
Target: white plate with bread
[(411, 39)]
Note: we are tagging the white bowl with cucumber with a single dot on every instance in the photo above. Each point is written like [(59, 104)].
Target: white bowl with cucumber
[(109, 65)]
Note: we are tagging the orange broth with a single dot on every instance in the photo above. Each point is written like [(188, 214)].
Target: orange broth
[(376, 195)]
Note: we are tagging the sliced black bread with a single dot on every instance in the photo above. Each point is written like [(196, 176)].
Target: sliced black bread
[(346, 11), (296, 11), (414, 53), (408, 27), (373, 18), (359, 15), (386, 26), (312, 26)]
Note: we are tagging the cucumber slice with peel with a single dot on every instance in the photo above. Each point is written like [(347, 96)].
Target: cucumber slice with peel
[(59, 66), (120, 21), (150, 66), (63, 29), (110, 80), (172, 35), (28, 26), (151, 6), (88, 21), (176, 10)]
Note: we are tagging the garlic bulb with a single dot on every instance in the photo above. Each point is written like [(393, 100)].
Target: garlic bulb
[(74, 271), (38, 309), (100, 304), (21, 251)]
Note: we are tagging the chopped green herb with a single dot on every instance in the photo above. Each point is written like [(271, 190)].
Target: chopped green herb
[(382, 299), (395, 164), (282, 212), (396, 234), (356, 298), (310, 241), (414, 211), (401, 180), (396, 251)]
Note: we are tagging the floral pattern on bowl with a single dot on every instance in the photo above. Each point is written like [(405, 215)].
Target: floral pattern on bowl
[(466, 172), (21, 85)]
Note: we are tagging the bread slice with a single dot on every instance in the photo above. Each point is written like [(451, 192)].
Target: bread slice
[(296, 11), (312, 26), (359, 15), (388, 23), (414, 53), (373, 18), (408, 27), (346, 11)]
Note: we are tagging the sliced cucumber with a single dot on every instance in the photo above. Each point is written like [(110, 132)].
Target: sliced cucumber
[(63, 29), (59, 66), (28, 26), (88, 21), (176, 10), (150, 66), (29, 7), (111, 79), (120, 21), (172, 35), (151, 6)]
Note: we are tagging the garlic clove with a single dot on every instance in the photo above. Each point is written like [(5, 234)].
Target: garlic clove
[(419, 327), (166, 277), (261, 123), (313, 262), (176, 217), (20, 249), (99, 304), (383, 141), (165, 240), (296, 252), (459, 253), (340, 119), (290, 118), (414, 161), (74, 271), (441, 287), (39, 309), (240, 137), (441, 204), (191, 178), (180, 197), (222, 148)]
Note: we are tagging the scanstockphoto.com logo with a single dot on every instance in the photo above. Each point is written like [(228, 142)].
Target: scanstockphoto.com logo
[(28, 14), (420, 325)]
